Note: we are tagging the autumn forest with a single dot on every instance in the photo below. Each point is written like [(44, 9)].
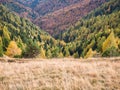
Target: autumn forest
[(77, 32)]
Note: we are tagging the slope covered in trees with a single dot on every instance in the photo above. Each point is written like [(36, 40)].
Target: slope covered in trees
[(30, 39), (21, 10), (58, 20), (98, 32), (53, 16)]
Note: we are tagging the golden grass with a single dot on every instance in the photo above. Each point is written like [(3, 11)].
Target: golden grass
[(60, 75)]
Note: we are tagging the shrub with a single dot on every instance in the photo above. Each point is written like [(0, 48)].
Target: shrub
[(76, 55)]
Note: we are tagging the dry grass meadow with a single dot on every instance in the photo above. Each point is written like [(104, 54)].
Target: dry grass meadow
[(61, 74)]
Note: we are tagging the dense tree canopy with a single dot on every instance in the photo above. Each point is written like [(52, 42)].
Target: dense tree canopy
[(96, 33)]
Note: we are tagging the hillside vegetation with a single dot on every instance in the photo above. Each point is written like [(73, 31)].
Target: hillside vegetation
[(58, 20), (21, 38), (96, 34), (53, 16)]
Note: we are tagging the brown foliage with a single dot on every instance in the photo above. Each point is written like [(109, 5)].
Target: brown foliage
[(63, 18), (55, 16)]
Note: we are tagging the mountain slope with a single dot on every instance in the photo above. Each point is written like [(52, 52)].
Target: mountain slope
[(99, 28), (24, 33), (18, 25), (46, 6), (59, 20), (21, 9), (97, 34), (54, 16)]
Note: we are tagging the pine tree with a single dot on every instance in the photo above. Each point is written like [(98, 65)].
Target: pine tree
[(48, 54), (60, 55), (6, 33), (32, 49), (66, 52), (6, 37), (55, 52), (111, 52)]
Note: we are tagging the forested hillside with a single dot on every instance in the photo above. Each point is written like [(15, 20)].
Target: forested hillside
[(53, 16), (58, 20), (20, 38), (97, 34), (21, 10)]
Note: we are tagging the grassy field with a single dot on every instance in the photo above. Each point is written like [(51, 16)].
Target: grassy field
[(61, 74)]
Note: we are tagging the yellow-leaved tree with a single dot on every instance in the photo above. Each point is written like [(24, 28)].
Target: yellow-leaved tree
[(13, 49), (42, 53), (1, 47), (110, 42), (90, 53)]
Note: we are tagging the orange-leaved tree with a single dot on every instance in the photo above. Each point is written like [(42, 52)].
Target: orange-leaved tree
[(13, 49)]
